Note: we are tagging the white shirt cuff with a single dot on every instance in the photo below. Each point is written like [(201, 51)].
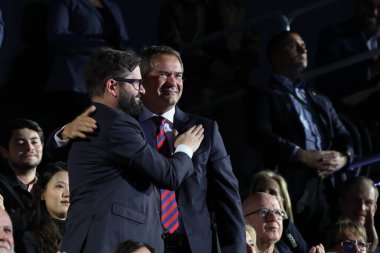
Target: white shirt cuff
[(59, 141), (185, 149)]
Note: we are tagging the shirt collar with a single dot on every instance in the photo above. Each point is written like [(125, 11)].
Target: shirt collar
[(288, 83), (28, 187), (146, 114)]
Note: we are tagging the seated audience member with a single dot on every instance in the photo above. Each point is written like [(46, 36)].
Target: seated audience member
[(6, 233), (21, 145), (346, 236), (250, 236), (358, 203), (133, 247), (50, 210), (265, 214), (270, 182), (298, 132)]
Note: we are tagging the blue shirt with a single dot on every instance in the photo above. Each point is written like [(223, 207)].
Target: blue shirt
[(305, 112)]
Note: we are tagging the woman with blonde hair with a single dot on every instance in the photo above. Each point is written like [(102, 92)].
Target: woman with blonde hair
[(270, 182), (346, 236), (250, 234)]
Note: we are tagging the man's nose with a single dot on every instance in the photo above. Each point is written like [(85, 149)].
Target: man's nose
[(270, 216), (30, 146), (171, 79), (302, 49), (142, 89)]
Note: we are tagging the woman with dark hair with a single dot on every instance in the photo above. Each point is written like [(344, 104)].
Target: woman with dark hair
[(51, 203), (133, 247)]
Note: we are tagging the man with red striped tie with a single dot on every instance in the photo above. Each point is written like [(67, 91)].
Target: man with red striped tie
[(204, 215), (208, 202)]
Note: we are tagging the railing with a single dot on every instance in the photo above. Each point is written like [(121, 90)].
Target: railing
[(369, 160), (286, 21)]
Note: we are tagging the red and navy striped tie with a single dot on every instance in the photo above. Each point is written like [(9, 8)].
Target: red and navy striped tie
[(169, 209)]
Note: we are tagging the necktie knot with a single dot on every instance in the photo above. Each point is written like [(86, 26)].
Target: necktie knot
[(159, 120)]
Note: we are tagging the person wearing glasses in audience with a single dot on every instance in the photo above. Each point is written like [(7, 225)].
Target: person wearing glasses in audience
[(273, 183), (265, 214), (346, 236)]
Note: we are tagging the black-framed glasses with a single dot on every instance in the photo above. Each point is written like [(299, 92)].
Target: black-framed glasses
[(265, 213), (136, 83), (350, 245)]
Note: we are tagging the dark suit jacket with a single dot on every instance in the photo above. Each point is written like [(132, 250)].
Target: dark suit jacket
[(75, 29), (209, 199), (111, 176), (274, 128)]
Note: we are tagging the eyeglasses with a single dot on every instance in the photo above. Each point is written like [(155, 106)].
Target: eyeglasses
[(350, 245), (265, 213), (136, 83)]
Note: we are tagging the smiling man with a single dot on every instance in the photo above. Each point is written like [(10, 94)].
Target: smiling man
[(114, 171), (208, 201), (22, 146)]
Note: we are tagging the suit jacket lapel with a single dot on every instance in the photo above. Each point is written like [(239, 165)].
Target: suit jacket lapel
[(181, 121), (283, 95)]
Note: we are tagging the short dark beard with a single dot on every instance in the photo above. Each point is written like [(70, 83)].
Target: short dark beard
[(128, 103), (22, 168)]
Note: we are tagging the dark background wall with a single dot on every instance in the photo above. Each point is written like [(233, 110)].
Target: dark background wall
[(140, 18)]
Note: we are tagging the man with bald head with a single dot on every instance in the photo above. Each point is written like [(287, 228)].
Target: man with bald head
[(265, 214), (6, 233)]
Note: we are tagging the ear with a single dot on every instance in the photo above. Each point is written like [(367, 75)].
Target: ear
[(4, 152), (111, 87)]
